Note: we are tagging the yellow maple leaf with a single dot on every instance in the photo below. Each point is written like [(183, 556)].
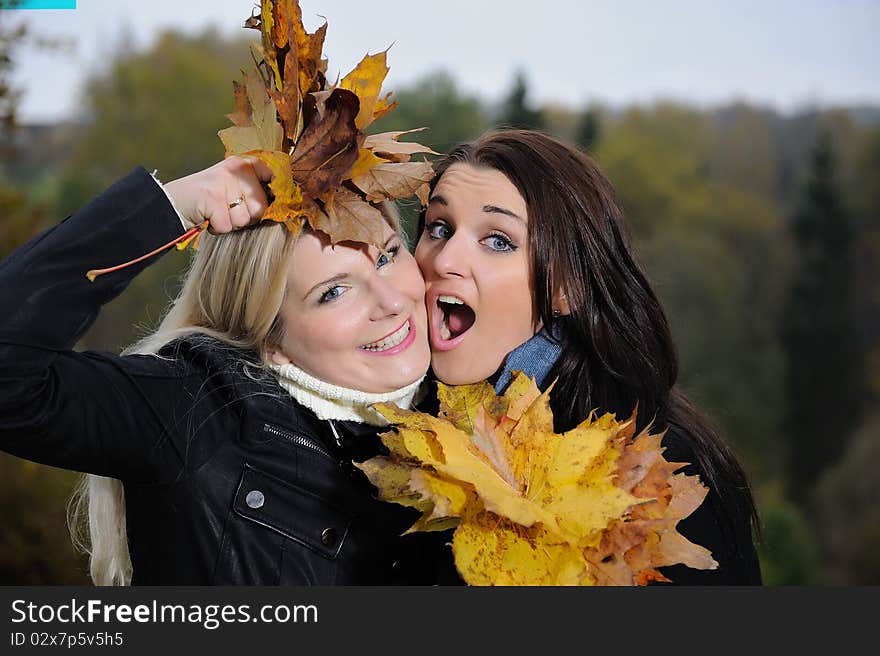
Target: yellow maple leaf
[(365, 80), (597, 505)]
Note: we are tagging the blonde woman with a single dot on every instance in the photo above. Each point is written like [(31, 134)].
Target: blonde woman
[(219, 448)]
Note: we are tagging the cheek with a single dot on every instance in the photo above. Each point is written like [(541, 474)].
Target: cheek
[(423, 257), (307, 336), (409, 279), (505, 291)]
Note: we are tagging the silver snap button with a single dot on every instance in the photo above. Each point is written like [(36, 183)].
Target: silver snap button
[(328, 536), (254, 499)]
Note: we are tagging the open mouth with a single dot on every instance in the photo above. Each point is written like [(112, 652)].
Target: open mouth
[(393, 343), (455, 318)]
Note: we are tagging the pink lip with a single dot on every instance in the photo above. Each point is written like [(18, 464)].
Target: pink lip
[(405, 344), (438, 343)]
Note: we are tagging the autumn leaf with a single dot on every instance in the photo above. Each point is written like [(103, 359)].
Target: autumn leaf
[(257, 127), (386, 145), (288, 101), (328, 147), (366, 81), (288, 205), (393, 180), (347, 217), (382, 106), (597, 505), (366, 160), (308, 47)]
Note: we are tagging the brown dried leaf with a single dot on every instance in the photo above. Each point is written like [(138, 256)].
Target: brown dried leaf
[(328, 147), (288, 101), (242, 114), (386, 144), (349, 218), (394, 180), (264, 132)]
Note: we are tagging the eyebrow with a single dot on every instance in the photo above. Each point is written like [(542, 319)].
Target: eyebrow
[(490, 209), (341, 276), (500, 210), (338, 277)]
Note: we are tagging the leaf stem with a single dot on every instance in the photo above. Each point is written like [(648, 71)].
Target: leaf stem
[(94, 273)]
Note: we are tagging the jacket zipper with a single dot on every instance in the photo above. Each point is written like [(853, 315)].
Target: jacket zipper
[(298, 440)]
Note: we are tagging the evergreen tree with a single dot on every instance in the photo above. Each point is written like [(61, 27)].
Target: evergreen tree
[(587, 136), (515, 113), (824, 382)]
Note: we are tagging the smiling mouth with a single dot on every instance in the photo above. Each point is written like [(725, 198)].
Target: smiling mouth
[(456, 317), (390, 341)]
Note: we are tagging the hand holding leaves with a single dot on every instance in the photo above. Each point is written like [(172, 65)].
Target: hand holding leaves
[(206, 195)]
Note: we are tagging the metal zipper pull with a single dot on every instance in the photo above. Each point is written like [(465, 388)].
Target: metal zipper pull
[(335, 433)]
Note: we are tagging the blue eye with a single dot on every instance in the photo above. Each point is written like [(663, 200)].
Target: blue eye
[(331, 294), (438, 230), (384, 259), (499, 243)]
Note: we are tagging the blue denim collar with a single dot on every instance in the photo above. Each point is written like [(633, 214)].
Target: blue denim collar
[(535, 358)]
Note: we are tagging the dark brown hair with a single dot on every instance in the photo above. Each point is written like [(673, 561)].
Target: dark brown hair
[(617, 348)]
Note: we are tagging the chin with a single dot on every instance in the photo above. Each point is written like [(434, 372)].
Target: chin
[(406, 376), (456, 371)]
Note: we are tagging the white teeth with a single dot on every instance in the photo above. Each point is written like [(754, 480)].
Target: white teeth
[(450, 299), (391, 341), (444, 330)]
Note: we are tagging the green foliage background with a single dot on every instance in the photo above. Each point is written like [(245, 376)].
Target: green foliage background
[(709, 195)]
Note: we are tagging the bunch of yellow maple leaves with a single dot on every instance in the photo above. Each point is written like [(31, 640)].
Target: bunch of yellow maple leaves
[(597, 505), (326, 170)]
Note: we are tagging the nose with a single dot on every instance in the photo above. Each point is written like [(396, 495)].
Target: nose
[(390, 301), (450, 257)]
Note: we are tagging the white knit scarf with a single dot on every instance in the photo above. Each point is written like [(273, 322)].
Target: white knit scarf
[(329, 401)]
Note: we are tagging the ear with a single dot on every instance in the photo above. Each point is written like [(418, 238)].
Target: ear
[(276, 357), (560, 304)]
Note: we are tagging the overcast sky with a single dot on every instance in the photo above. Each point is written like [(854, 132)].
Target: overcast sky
[(782, 53)]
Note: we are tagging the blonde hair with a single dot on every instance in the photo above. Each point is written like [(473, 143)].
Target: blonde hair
[(232, 292)]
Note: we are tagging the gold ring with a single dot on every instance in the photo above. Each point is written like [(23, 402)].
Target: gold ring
[(238, 201)]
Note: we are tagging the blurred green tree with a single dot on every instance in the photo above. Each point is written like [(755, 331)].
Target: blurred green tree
[(790, 551), (516, 112), (161, 108), (847, 512), (824, 379), (587, 136), (865, 193)]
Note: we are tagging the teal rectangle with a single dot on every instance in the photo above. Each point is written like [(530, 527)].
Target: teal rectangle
[(45, 4)]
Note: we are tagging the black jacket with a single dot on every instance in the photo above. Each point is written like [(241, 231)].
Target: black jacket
[(227, 479)]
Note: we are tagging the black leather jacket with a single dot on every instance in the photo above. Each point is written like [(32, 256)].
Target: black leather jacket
[(227, 479)]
